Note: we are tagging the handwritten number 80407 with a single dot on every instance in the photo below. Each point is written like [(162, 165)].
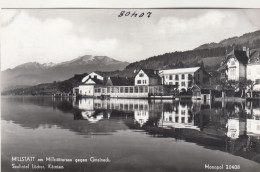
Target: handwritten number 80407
[(134, 14)]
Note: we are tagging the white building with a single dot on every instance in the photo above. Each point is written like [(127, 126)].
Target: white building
[(89, 82), (253, 68), (147, 77), (184, 77), (236, 62), (242, 65)]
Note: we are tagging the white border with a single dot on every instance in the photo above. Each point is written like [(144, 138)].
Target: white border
[(130, 3)]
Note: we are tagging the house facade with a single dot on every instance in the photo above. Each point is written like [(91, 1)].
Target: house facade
[(185, 78), (147, 77), (236, 62), (89, 83), (242, 65), (253, 68)]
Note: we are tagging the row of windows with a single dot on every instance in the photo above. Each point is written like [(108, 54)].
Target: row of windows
[(183, 84), (177, 119), (141, 82), (121, 106), (177, 77), (139, 89)]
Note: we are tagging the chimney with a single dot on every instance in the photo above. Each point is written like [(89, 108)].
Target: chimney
[(244, 49), (248, 52)]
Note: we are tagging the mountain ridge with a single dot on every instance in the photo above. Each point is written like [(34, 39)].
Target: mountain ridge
[(33, 73)]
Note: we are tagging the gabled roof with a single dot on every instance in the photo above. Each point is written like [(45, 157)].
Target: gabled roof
[(97, 81), (150, 73), (239, 55), (182, 70), (122, 81)]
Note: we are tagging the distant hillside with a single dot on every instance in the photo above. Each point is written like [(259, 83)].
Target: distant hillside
[(251, 40), (33, 73), (50, 88), (210, 54)]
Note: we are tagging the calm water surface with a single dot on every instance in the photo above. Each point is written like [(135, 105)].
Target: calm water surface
[(134, 134)]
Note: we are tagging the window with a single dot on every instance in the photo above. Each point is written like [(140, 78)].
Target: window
[(141, 89), (170, 77), (136, 89), (232, 62), (166, 76), (183, 112), (257, 81), (146, 89), (139, 81), (190, 77), (141, 75), (176, 77), (176, 83), (131, 90), (182, 76), (126, 89), (189, 84), (183, 84), (170, 83), (121, 89), (144, 81)]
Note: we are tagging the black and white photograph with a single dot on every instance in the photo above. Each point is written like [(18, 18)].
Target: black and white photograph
[(130, 89)]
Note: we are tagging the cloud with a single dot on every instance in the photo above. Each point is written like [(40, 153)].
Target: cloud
[(27, 37), (53, 40)]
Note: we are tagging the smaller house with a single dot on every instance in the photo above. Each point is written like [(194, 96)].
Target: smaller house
[(89, 83), (234, 65), (204, 93), (147, 77)]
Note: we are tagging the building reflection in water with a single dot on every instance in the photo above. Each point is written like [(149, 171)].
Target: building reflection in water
[(235, 125), (239, 118)]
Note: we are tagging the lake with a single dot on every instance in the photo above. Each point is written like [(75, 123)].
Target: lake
[(66, 134)]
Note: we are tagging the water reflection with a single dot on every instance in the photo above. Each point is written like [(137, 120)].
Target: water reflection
[(231, 127), (225, 126)]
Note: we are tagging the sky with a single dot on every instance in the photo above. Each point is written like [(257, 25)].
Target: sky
[(58, 35)]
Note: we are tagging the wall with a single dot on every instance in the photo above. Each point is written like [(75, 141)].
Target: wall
[(233, 75), (87, 90), (253, 73), (170, 79)]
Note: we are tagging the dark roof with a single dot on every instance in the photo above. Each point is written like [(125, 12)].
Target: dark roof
[(254, 55), (239, 55), (151, 73), (122, 81), (97, 81)]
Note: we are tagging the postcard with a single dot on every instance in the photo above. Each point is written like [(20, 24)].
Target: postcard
[(130, 89)]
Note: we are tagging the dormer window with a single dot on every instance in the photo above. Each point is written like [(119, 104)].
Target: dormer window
[(232, 62), (141, 75)]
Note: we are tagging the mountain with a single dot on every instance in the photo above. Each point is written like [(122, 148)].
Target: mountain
[(210, 55), (34, 73)]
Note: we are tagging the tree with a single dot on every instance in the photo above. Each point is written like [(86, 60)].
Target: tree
[(250, 85)]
